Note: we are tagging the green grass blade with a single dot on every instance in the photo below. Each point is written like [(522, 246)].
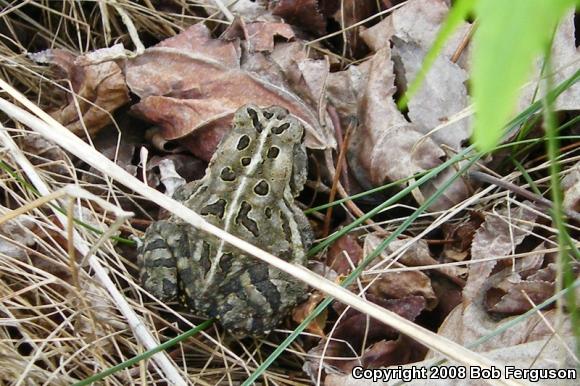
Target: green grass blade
[(509, 36)]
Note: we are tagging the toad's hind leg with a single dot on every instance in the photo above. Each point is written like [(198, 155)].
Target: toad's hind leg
[(158, 260)]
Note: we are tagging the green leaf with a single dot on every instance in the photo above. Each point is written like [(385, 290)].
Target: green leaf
[(510, 35)]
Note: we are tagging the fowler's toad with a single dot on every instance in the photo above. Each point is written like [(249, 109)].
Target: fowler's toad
[(248, 190)]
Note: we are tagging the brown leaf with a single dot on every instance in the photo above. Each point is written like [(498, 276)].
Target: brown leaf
[(381, 127), (247, 9), (457, 192), (45, 153), (107, 143), (571, 187), (385, 146), (384, 353), (541, 352), (461, 237), (517, 289), (414, 255), (301, 13), (259, 35), (304, 309), (443, 93), (449, 296), (467, 324), (379, 354), (99, 89), (347, 14), (547, 274), (496, 237), (383, 343), (400, 148), (398, 285), (344, 254), (175, 97), (353, 326), (522, 296), (16, 236), (197, 40)]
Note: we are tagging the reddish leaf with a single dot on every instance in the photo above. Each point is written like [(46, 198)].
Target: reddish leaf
[(100, 90), (304, 309), (382, 342), (174, 96), (353, 325), (344, 254), (301, 13)]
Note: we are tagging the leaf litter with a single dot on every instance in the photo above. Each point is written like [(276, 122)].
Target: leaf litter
[(184, 89)]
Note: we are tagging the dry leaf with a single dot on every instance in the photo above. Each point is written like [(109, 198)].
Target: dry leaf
[(169, 177), (398, 285), (515, 290), (248, 9), (304, 309), (538, 354), (122, 153), (344, 254), (301, 13), (102, 310), (381, 127), (449, 295), (99, 89), (259, 35), (571, 187), (467, 324), (176, 98), (460, 237), (397, 351), (347, 13), (522, 296), (353, 324), (498, 236), (564, 63), (411, 147), (385, 146), (382, 342), (41, 151)]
